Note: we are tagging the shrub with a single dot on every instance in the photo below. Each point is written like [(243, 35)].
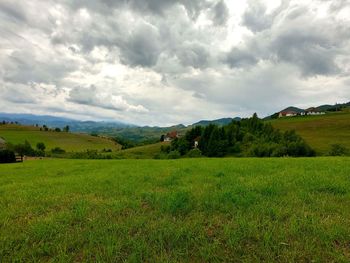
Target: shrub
[(58, 150), (338, 150), (279, 151), (90, 154), (165, 148), (7, 156), (174, 155), (23, 149), (194, 153), (107, 150), (40, 146)]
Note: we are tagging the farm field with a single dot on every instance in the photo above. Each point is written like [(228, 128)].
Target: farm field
[(71, 142), (187, 210), (319, 131)]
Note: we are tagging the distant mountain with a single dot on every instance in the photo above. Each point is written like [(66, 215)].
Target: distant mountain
[(221, 122), (298, 110), (53, 121), (333, 107)]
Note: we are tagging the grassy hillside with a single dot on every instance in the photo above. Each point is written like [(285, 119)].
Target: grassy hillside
[(67, 141), (202, 210), (142, 152), (319, 131)]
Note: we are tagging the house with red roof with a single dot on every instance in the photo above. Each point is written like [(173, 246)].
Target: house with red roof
[(171, 136), (287, 114)]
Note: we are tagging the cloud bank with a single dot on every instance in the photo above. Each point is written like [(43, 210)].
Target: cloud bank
[(162, 62)]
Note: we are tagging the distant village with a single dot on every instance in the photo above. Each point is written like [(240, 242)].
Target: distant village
[(309, 111)]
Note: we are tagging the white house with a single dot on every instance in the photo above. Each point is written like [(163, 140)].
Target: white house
[(314, 111)]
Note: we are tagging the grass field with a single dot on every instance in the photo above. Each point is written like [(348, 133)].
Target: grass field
[(188, 210), (319, 131), (142, 152), (71, 142)]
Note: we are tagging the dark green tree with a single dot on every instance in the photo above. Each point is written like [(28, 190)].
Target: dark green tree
[(40, 146)]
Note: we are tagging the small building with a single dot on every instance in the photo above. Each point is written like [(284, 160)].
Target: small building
[(287, 114), (196, 142), (313, 111), (171, 136)]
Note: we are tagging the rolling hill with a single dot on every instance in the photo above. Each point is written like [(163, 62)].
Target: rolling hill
[(319, 131), (71, 142), (54, 121)]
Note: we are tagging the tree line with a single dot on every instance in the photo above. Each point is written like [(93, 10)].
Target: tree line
[(250, 137)]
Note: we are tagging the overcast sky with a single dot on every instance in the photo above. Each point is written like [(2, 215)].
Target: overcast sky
[(163, 62)]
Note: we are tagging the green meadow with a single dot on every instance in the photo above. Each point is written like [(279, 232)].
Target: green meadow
[(70, 142), (148, 151), (320, 132), (187, 210)]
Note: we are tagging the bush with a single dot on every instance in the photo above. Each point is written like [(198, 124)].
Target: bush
[(165, 148), (7, 156), (23, 149), (338, 150), (40, 146), (90, 154), (174, 155), (279, 151), (194, 153), (58, 150)]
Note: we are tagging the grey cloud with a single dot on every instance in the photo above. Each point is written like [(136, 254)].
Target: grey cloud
[(142, 48), (23, 66), (220, 13), (194, 55), (312, 45), (250, 90), (154, 56), (336, 6), (311, 52), (139, 43), (12, 10), (91, 96), (158, 7), (18, 94), (240, 58), (255, 18)]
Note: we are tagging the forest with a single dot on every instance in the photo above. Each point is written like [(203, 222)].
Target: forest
[(250, 137)]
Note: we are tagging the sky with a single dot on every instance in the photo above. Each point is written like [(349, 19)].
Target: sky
[(165, 62)]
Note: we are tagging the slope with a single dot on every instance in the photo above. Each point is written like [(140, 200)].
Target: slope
[(319, 131), (71, 142)]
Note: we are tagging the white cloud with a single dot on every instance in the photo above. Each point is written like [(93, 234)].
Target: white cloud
[(167, 62)]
